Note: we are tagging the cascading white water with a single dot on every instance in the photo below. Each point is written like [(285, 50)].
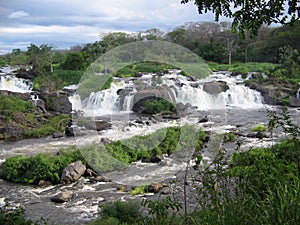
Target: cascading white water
[(14, 84), (186, 92)]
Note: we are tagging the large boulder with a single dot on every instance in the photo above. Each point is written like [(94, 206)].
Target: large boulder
[(155, 93), (215, 87), (62, 197), (73, 172), (57, 102)]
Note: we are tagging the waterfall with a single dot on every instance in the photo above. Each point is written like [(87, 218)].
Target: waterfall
[(14, 84), (111, 101), (298, 94)]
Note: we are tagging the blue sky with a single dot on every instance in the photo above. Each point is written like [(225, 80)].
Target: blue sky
[(64, 23)]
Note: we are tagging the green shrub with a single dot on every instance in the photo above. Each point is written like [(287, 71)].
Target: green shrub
[(157, 106), (10, 105), (55, 123), (32, 169), (229, 137), (125, 212), (58, 79), (139, 190), (15, 218), (259, 128)]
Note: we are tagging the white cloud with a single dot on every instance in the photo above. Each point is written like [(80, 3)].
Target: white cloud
[(18, 14)]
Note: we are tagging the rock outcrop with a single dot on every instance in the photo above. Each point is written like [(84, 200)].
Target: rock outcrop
[(63, 196), (215, 87), (73, 172)]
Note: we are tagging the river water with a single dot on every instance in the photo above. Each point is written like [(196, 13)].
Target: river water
[(241, 109)]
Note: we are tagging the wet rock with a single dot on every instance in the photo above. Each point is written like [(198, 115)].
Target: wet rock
[(294, 102), (73, 172), (57, 134), (90, 173), (261, 135), (152, 159), (57, 102), (166, 191), (43, 183), (63, 196), (154, 188), (173, 116), (215, 87), (203, 120), (26, 75), (98, 125), (101, 179), (106, 141)]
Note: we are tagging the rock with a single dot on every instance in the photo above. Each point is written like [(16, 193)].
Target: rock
[(57, 102), (155, 187), (90, 173), (166, 191), (294, 102), (23, 96), (26, 75), (153, 159), (43, 183), (105, 141), (173, 116), (102, 179), (203, 120), (73, 172), (215, 87), (98, 125), (62, 197), (261, 135), (57, 134)]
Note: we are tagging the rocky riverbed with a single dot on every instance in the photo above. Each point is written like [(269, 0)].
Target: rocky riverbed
[(88, 194)]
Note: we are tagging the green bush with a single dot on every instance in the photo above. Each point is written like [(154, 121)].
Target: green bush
[(157, 106), (125, 212), (32, 169), (259, 128), (10, 105), (58, 79), (55, 123), (15, 218), (229, 137)]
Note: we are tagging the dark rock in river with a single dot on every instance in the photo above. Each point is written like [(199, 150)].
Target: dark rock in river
[(62, 197), (294, 102), (152, 159), (57, 134), (73, 172), (215, 87), (26, 75)]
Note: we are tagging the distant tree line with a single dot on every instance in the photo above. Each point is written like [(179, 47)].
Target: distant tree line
[(210, 40)]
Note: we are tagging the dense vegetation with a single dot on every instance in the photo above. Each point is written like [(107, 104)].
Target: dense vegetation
[(44, 166), (10, 105), (113, 156)]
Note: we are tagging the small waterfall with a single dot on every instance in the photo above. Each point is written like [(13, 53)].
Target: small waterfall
[(298, 94), (119, 98), (14, 84)]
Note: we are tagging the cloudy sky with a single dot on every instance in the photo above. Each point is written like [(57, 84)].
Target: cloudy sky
[(65, 23)]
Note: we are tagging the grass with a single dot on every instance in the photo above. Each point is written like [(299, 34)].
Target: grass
[(242, 67)]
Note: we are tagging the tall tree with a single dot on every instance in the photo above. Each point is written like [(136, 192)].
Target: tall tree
[(251, 14)]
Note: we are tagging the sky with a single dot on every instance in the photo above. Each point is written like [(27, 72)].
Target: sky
[(66, 23)]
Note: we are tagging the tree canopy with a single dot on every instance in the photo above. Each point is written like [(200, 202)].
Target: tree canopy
[(251, 14)]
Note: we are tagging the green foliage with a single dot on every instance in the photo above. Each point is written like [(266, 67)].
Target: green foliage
[(125, 212), (143, 67), (73, 61), (139, 190), (55, 123), (58, 79), (160, 209), (283, 120), (242, 67), (101, 160), (259, 128), (32, 169), (157, 106), (247, 16), (15, 218), (229, 137), (10, 105)]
